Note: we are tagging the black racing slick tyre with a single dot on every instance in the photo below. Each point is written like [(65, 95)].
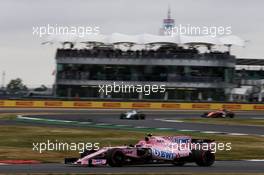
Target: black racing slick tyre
[(137, 117), (115, 158), (142, 116), (231, 115), (70, 160), (204, 115), (122, 116), (204, 158)]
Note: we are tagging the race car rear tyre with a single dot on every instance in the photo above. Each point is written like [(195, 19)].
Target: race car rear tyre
[(115, 158), (204, 115), (204, 158), (142, 116), (231, 115), (137, 117)]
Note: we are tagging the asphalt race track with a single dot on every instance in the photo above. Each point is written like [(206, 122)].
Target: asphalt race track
[(116, 112), (156, 119), (219, 166), (153, 119)]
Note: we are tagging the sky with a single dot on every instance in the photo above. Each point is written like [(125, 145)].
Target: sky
[(23, 56)]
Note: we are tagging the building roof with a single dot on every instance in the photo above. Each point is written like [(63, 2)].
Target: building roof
[(117, 38), (250, 62)]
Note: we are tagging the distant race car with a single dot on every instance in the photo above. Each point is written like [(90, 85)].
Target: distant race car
[(219, 114), (177, 150), (136, 115)]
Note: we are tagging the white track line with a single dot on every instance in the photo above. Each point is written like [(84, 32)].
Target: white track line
[(170, 120), (210, 132), (257, 118), (237, 134), (85, 122), (188, 130), (103, 124), (164, 128), (141, 127), (255, 160), (123, 125), (43, 119)]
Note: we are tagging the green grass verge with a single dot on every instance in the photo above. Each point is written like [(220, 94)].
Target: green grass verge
[(16, 141), (7, 117)]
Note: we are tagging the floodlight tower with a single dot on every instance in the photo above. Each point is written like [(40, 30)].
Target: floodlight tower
[(168, 24)]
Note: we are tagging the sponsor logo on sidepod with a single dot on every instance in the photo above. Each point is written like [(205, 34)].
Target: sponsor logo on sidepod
[(163, 154)]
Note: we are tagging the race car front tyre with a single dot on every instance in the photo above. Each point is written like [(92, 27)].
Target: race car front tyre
[(115, 158), (204, 115), (231, 115), (204, 158), (122, 116), (70, 160)]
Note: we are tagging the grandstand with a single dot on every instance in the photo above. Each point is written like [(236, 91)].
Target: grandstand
[(176, 62)]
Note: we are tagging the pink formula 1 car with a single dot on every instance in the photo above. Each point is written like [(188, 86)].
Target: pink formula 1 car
[(177, 150)]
